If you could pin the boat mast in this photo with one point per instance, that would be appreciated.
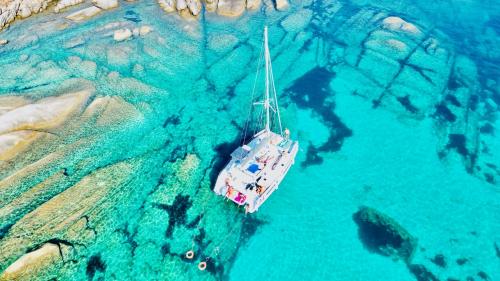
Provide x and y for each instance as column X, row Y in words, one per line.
column 266, row 100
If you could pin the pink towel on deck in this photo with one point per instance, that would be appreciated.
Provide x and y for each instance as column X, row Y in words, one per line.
column 240, row 198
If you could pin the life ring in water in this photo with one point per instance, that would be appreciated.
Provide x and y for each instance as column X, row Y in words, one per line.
column 202, row 265
column 190, row 254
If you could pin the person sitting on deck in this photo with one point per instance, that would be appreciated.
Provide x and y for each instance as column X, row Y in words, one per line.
column 259, row 189
column 229, row 188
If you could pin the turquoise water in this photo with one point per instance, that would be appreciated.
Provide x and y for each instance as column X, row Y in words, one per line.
column 398, row 117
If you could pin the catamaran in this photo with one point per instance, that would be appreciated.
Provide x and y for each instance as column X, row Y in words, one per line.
column 257, row 168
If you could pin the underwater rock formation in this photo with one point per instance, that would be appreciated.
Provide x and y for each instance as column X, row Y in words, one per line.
column 401, row 50
column 23, row 123
column 122, row 34
column 381, row 234
column 35, row 263
column 384, row 52
column 84, row 14
column 231, row 8
column 105, row 4
column 62, row 4
column 421, row 273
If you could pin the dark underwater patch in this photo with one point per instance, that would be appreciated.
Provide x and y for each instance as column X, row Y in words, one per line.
column 179, row 152
column 458, row 142
column 473, row 102
column 405, row 101
column 421, row 273
column 487, row 129
column 453, row 100
column 462, row 261
column 95, row 264
column 132, row 16
column 129, row 237
column 65, row 172
column 444, row 113
column 483, row 275
column 249, row 227
column 199, row 240
column 312, row 156
column 454, row 83
column 194, row 222
column 173, row 119
column 497, row 249
column 165, row 249
column 439, row 260
column 311, row 91
column 177, row 212
column 489, row 178
column 216, row 269
column 382, row 235
column 4, row 229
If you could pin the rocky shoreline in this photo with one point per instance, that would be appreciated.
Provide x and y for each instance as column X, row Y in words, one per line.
column 11, row 10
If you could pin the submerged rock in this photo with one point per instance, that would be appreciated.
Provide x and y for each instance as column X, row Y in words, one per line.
column 34, row 263
column 84, row 14
column 8, row 103
column 144, row 30
column 231, row 8
column 105, row 4
column 296, row 22
column 22, row 121
column 45, row 114
column 421, row 273
column 222, row 42
column 13, row 143
column 383, row 235
column 66, row 3
column 122, row 34
column 439, row 260
column 281, row 4
column 194, row 6
column 112, row 111
column 211, row 5
column 74, row 42
column 67, row 214
column 398, row 24
column 408, row 68
column 167, row 5
column 253, row 4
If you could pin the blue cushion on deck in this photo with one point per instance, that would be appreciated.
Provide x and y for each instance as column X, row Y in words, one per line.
column 253, row 168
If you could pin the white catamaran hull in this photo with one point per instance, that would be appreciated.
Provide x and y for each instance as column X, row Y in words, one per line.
column 250, row 180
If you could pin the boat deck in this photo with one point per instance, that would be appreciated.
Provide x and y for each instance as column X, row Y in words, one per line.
column 256, row 169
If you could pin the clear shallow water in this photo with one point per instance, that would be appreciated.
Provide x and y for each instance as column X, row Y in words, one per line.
column 376, row 120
